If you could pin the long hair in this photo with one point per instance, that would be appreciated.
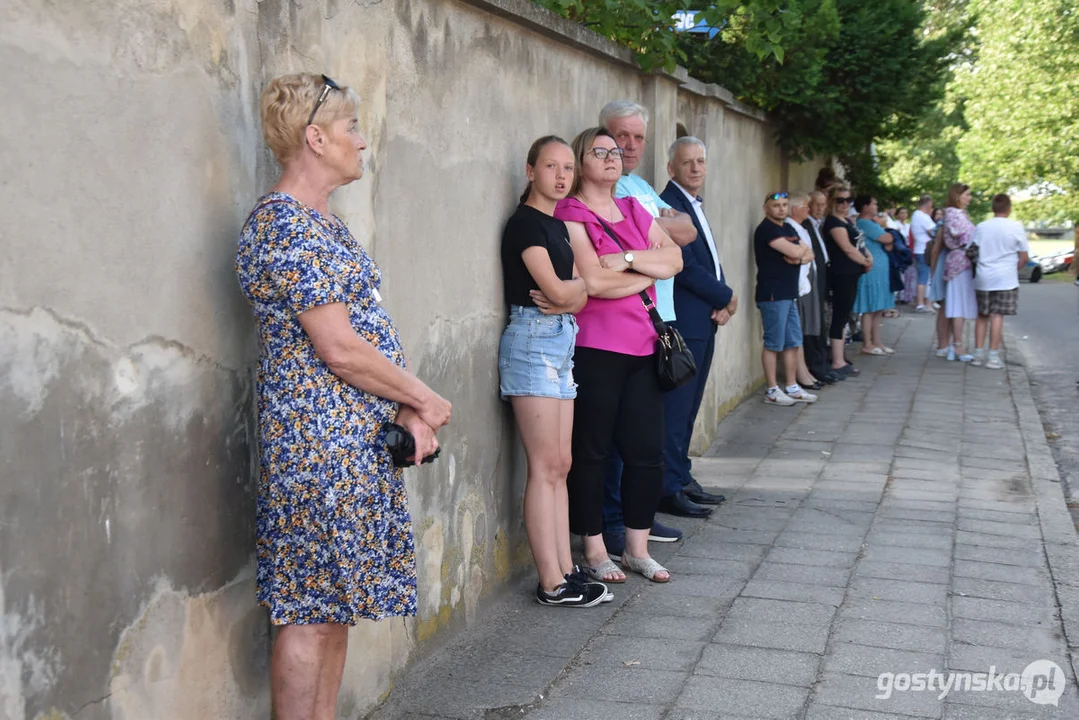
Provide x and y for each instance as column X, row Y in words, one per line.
column 581, row 145
column 955, row 192
column 533, row 158
column 836, row 189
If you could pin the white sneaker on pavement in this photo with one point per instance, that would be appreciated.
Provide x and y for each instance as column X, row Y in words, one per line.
column 796, row 393
column 994, row 362
column 979, row 358
column 943, row 352
column 775, row 396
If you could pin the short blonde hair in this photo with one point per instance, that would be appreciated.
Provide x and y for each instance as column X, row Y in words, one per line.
column 799, row 198
column 287, row 102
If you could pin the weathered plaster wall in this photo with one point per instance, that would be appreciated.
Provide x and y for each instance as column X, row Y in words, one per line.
column 132, row 151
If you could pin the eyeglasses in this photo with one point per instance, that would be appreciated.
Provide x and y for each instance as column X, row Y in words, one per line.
column 777, row 196
column 842, row 200
column 604, row 153
column 327, row 85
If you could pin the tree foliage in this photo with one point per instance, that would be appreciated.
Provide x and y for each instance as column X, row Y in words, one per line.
column 765, row 27
column 1022, row 102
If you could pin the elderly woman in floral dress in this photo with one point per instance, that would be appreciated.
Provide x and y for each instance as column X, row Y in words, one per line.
column 961, row 303
column 334, row 536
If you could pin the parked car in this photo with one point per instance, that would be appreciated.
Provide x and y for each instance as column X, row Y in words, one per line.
column 1032, row 271
column 1056, row 262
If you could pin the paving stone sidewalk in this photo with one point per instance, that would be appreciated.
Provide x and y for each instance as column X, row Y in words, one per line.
column 911, row 520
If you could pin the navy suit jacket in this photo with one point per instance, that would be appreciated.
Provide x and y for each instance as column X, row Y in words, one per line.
column 697, row 289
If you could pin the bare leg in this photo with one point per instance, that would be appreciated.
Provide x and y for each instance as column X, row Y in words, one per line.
column 943, row 327
column 805, row 377
column 561, row 494
column 790, row 365
column 878, row 320
column 595, row 552
column 996, row 331
column 981, row 325
column 302, row 670
column 867, row 331
column 838, row 360
column 538, row 421
column 920, row 293
column 329, row 680
column 637, row 546
column 768, row 360
column 957, row 334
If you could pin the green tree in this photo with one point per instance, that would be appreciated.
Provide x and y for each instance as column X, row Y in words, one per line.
column 1022, row 104
column 765, row 27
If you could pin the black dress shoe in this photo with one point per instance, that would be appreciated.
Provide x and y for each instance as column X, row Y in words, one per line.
column 699, row 495
column 679, row 504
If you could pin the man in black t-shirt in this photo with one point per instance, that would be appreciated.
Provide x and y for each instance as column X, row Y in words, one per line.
column 779, row 254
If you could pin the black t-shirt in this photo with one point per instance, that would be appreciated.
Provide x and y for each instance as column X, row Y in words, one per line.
column 838, row 261
column 529, row 227
column 777, row 279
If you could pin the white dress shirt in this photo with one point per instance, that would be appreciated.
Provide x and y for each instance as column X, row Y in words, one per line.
column 804, row 286
column 696, row 204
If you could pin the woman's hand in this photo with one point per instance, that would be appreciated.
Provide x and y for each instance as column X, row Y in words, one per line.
column 435, row 411
column 868, row 265
column 426, row 442
column 614, row 261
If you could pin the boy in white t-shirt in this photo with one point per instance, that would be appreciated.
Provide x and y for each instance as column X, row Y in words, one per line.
column 1002, row 250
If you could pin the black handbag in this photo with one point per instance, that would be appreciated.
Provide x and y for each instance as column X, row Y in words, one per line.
column 675, row 365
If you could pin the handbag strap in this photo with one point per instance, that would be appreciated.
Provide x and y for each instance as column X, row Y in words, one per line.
column 653, row 313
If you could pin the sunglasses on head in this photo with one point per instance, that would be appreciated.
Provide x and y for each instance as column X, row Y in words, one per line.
column 327, row 85
column 777, row 196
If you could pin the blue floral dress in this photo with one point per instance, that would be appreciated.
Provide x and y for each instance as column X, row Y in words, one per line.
column 334, row 536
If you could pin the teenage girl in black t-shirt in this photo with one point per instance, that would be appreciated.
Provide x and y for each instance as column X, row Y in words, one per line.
column 535, row 366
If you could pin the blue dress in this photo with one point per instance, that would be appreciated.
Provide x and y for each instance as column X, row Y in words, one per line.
column 334, row 536
column 874, row 288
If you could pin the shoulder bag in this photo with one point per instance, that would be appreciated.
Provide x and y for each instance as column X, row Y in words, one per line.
column 675, row 365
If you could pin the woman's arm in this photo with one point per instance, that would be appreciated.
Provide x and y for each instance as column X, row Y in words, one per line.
column 357, row 362
column 559, row 292
column 663, row 261
column 934, row 252
column 842, row 240
column 549, row 308
column 600, row 281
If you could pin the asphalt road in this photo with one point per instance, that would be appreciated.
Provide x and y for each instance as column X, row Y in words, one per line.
column 1046, row 333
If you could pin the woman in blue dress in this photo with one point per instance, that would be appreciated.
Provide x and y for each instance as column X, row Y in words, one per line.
column 334, row 538
column 874, row 290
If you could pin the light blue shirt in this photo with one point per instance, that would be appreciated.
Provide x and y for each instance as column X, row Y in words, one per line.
column 634, row 186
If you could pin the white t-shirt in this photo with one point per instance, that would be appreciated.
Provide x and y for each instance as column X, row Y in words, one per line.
column 999, row 241
column 923, row 229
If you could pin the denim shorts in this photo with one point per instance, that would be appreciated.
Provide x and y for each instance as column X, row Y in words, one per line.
column 782, row 326
column 535, row 356
column 922, row 266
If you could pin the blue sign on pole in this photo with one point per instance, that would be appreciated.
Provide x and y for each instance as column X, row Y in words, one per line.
column 686, row 21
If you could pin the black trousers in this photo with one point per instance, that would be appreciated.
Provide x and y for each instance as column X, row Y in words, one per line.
column 844, row 289
column 618, row 404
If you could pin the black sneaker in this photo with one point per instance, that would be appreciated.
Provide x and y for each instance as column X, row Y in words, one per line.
column 572, row 594
column 580, row 576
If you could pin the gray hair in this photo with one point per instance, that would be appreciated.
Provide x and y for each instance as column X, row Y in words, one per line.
column 621, row 109
column 799, row 199
column 685, row 140
column 925, row 200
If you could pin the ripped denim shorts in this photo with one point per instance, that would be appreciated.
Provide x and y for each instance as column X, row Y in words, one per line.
column 535, row 355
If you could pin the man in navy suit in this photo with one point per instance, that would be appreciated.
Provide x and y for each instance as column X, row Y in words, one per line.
column 702, row 302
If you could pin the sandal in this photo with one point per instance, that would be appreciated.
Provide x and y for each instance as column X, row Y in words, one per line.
column 891, row 313
column 646, row 567
column 887, row 350
column 600, row 572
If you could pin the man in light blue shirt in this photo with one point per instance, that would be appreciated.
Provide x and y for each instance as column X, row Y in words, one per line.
column 628, row 123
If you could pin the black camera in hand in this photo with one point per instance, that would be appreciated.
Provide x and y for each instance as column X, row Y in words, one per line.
column 402, row 446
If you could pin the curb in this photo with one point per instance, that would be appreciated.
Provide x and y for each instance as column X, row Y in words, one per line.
column 1061, row 542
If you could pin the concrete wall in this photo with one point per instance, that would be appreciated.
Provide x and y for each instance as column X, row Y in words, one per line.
column 130, row 140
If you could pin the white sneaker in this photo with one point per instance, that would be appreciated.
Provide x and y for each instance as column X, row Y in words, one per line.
column 775, row 396
column 801, row 395
column 943, row 352
column 978, row 359
column 994, row 362
column 923, row 309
